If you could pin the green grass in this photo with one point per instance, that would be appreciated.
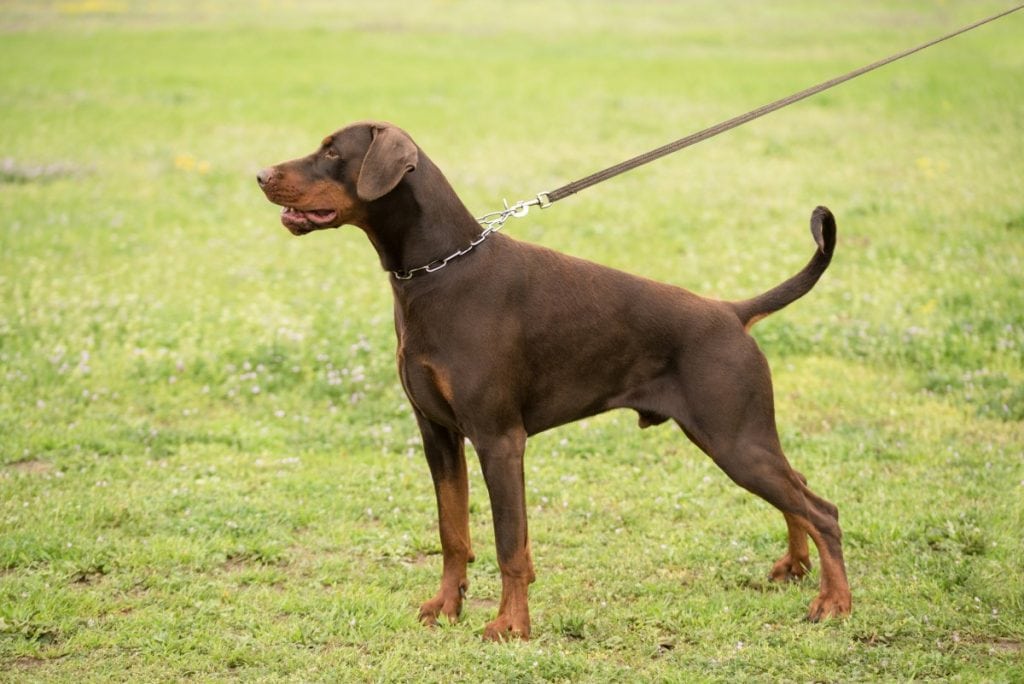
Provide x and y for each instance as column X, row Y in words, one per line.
column 207, row 467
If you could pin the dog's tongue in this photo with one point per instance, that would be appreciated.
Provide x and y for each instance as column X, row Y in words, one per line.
column 314, row 215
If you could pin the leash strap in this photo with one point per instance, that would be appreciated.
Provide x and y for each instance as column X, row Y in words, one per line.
column 494, row 221
column 546, row 199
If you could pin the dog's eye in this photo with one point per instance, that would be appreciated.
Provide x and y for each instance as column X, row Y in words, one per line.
column 331, row 153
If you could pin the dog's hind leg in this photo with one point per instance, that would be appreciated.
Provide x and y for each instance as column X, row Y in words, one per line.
column 764, row 471
column 447, row 460
column 731, row 417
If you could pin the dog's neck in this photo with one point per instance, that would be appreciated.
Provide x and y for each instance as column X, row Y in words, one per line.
column 420, row 221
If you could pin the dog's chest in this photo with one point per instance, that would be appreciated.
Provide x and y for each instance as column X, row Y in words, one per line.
column 427, row 383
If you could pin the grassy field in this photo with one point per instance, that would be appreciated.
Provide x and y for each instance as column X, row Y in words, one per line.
column 207, row 466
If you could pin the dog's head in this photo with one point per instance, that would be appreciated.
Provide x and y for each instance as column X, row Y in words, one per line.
column 334, row 185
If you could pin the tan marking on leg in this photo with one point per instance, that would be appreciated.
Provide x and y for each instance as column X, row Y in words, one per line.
column 796, row 562
column 833, row 598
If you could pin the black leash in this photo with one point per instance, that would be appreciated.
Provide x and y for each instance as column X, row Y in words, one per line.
column 546, row 199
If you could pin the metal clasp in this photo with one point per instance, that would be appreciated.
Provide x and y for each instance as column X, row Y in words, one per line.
column 522, row 208
column 519, row 210
column 492, row 223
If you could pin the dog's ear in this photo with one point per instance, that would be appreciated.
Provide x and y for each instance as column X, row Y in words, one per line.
column 392, row 154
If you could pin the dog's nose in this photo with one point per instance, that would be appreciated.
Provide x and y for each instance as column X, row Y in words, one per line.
column 264, row 176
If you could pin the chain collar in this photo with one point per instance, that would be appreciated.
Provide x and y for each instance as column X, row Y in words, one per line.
column 491, row 222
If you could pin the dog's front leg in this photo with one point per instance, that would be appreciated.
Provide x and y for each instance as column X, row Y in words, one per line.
column 501, row 459
column 447, row 459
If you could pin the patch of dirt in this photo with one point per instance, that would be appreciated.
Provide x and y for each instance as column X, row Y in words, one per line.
column 999, row 645
column 236, row 563
column 423, row 559
column 31, row 466
column 28, row 663
column 88, row 576
column 12, row 171
column 485, row 604
column 995, row 645
column 873, row 639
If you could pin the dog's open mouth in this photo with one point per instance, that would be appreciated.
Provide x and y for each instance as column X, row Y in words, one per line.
column 300, row 222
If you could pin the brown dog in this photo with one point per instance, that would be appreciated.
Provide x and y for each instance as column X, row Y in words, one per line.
column 510, row 339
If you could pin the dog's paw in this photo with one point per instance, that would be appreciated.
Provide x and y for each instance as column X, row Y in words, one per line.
column 789, row 569
column 826, row 606
column 505, row 628
column 442, row 604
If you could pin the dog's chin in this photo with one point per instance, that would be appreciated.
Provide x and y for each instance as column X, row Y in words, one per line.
column 304, row 222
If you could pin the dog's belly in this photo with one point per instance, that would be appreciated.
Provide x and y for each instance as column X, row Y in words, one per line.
column 585, row 381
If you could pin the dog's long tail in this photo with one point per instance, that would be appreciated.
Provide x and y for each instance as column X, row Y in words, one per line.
column 823, row 228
